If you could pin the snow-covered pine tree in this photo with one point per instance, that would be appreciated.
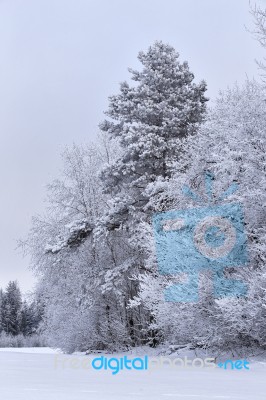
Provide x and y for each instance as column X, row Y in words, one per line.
column 11, row 309
column 150, row 119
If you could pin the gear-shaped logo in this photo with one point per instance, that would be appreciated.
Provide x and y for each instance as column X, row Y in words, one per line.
column 210, row 237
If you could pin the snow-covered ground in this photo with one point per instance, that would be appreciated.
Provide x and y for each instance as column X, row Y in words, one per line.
column 27, row 374
column 30, row 350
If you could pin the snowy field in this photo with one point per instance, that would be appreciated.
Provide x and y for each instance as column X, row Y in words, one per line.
column 27, row 374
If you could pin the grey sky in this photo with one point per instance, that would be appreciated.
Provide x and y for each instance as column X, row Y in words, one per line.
column 59, row 61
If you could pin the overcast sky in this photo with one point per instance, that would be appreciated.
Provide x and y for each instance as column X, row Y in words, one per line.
column 59, row 61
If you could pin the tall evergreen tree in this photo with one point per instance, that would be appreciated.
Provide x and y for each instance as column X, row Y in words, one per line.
column 11, row 309
column 150, row 119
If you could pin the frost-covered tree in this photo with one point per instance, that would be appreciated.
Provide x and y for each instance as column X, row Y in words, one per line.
column 231, row 144
column 150, row 118
column 11, row 309
column 72, row 262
